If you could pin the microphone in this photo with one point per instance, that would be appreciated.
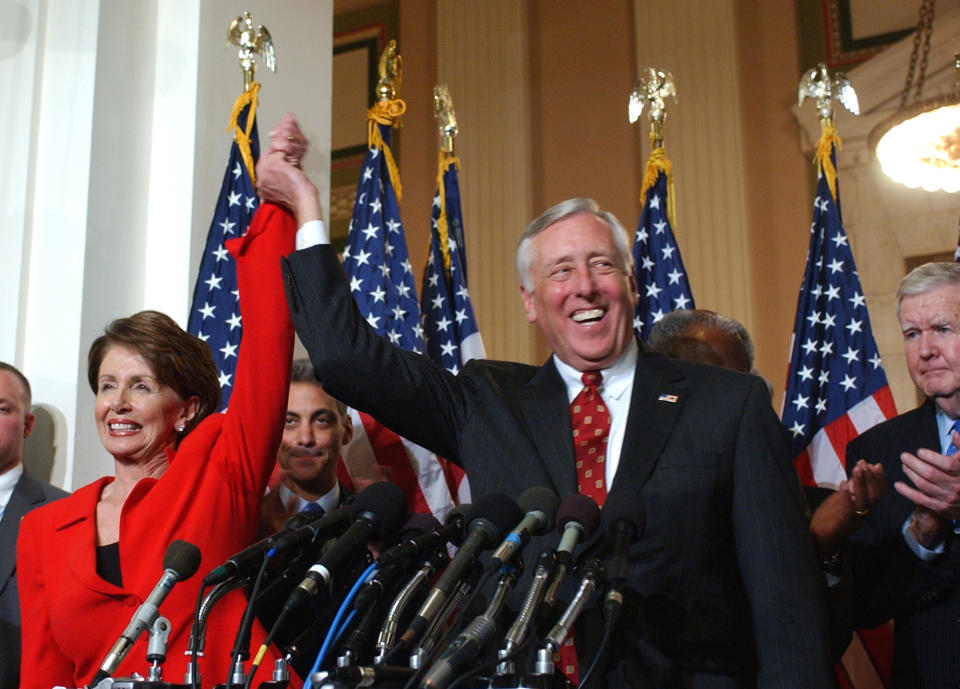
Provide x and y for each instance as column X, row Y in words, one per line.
column 540, row 505
column 474, row 638
column 376, row 512
column 180, row 562
column 299, row 529
column 491, row 516
column 387, row 574
column 452, row 531
column 577, row 519
column 624, row 521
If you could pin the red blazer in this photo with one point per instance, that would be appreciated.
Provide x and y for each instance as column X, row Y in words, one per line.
column 210, row 496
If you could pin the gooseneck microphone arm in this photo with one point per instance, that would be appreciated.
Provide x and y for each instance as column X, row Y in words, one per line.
column 517, row 633
column 472, row 640
column 591, row 580
column 179, row 562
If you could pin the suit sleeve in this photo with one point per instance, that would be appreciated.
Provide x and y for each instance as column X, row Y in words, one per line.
column 403, row 390
column 38, row 647
column 775, row 555
column 889, row 579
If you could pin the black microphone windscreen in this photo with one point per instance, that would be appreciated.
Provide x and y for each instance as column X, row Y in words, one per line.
column 420, row 523
column 302, row 519
column 623, row 506
column 496, row 514
column 183, row 558
column 540, row 499
column 581, row 509
column 387, row 502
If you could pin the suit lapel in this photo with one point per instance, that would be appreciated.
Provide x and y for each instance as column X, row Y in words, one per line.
column 927, row 430
column 26, row 494
column 76, row 535
column 659, row 393
column 543, row 404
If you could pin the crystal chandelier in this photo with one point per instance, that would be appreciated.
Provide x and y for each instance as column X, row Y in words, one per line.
column 919, row 145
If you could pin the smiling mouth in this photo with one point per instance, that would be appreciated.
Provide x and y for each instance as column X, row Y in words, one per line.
column 588, row 315
column 123, row 427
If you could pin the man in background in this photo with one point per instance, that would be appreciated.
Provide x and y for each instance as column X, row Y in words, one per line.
column 19, row 493
column 315, row 429
column 906, row 556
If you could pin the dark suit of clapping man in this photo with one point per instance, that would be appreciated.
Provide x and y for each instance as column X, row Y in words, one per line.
column 906, row 556
column 723, row 582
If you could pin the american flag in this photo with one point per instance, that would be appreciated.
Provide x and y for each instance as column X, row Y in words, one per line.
column 661, row 277
column 836, row 387
column 452, row 334
column 215, row 311
column 381, row 279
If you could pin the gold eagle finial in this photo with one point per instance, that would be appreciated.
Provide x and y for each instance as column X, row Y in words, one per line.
column 251, row 42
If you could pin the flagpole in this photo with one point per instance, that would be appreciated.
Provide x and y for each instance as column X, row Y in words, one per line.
column 215, row 309
column 658, row 267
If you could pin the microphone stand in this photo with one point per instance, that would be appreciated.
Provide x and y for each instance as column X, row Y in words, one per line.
column 159, row 633
column 544, row 671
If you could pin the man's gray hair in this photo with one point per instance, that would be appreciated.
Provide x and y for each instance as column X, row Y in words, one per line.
column 924, row 278
column 676, row 324
column 556, row 213
column 301, row 371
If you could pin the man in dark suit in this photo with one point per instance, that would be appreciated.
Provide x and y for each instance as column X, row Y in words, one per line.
column 315, row 428
column 906, row 556
column 19, row 493
column 723, row 582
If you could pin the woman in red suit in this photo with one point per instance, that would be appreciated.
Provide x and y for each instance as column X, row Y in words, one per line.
column 181, row 472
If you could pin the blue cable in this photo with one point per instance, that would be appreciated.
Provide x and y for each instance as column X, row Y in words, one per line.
column 333, row 634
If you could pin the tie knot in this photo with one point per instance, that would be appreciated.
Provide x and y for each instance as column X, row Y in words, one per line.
column 312, row 507
column 592, row 378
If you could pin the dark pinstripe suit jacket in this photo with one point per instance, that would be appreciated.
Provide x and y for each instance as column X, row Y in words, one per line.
column 890, row 581
column 27, row 494
column 724, row 576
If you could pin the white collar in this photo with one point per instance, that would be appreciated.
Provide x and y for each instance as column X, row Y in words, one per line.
column 617, row 379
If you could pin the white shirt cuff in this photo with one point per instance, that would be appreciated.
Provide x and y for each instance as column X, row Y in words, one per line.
column 924, row 554
column 311, row 233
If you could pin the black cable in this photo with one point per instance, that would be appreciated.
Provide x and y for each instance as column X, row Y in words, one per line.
column 237, row 650
column 604, row 643
column 195, row 640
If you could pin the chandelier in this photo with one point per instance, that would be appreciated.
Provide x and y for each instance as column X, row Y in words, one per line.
column 919, row 145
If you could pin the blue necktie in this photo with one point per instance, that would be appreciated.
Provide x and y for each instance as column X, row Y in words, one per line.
column 951, row 448
column 312, row 507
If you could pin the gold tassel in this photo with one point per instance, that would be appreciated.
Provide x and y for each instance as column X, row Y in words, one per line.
column 828, row 140
column 657, row 163
column 386, row 112
column 239, row 135
column 443, row 162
